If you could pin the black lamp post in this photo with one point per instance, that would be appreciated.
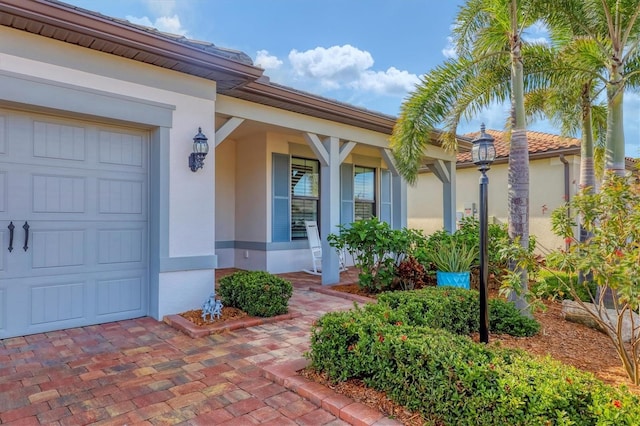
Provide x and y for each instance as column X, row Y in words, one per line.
column 483, row 153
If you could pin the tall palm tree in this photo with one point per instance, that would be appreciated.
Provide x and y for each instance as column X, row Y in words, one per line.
column 489, row 68
column 606, row 46
column 572, row 107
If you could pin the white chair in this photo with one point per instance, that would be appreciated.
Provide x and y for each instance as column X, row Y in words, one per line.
column 315, row 245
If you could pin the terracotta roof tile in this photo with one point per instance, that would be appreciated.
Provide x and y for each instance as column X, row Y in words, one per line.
column 538, row 142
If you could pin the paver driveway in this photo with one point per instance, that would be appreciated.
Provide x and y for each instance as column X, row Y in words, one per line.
column 144, row 372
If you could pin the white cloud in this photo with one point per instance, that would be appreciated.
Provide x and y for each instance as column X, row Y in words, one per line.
column 392, row 82
column 536, row 40
column 166, row 19
column 161, row 7
column 267, row 61
column 538, row 33
column 168, row 24
column 339, row 67
column 333, row 67
column 449, row 50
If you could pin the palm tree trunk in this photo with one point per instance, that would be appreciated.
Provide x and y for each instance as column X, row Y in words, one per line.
column 518, row 180
column 615, row 129
column 587, row 170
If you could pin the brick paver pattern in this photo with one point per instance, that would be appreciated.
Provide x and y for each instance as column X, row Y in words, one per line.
column 143, row 371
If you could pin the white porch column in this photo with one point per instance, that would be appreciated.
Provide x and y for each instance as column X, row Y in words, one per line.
column 330, row 209
column 398, row 192
column 446, row 172
column 329, row 155
column 399, row 201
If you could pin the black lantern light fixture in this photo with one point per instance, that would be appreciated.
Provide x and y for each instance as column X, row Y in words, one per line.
column 483, row 153
column 200, row 150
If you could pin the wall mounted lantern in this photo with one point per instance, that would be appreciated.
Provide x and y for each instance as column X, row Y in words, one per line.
column 200, row 150
column 483, row 152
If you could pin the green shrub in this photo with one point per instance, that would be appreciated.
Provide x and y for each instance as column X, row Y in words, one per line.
column 468, row 234
column 258, row 293
column 450, row 379
column 505, row 318
column 553, row 284
column 454, row 309
column 376, row 250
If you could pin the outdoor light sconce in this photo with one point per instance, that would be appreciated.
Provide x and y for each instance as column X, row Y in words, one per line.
column 200, row 150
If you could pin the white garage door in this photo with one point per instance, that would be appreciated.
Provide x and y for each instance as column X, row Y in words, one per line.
column 76, row 195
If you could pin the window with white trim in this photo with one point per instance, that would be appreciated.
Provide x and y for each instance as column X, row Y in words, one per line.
column 364, row 189
column 305, row 194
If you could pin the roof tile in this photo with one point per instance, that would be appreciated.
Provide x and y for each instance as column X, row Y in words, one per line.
column 538, row 142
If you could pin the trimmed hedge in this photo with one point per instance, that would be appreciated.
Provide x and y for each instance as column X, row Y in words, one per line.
column 456, row 310
column 450, row 379
column 258, row 293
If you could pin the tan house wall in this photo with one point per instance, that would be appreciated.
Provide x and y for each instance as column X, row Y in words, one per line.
column 546, row 193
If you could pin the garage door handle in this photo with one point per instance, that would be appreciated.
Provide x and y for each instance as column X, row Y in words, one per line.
column 11, row 228
column 26, row 235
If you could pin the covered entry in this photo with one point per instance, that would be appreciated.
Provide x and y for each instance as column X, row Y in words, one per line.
column 73, row 223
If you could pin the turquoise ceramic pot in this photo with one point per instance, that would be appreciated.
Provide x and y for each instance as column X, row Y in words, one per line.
column 453, row 279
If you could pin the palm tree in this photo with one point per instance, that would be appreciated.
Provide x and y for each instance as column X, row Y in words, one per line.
column 572, row 107
column 489, row 68
column 606, row 46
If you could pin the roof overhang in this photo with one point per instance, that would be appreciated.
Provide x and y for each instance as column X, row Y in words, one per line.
column 60, row 21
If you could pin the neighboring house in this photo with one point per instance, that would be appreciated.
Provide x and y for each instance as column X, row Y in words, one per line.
column 554, row 177
column 554, row 174
column 106, row 220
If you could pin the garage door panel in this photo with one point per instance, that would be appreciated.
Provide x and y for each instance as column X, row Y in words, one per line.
column 58, row 194
column 55, row 303
column 120, row 196
column 120, row 245
column 121, row 149
column 120, row 295
column 58, row 141
column 58, row 248
column 82, row 187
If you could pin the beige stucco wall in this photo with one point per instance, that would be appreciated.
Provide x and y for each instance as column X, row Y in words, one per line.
column 546, row 192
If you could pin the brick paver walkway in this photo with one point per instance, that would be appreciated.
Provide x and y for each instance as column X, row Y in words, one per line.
column 144, row 372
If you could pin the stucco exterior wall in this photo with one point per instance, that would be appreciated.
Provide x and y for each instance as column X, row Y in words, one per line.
column 546, row 192
column 188, row 231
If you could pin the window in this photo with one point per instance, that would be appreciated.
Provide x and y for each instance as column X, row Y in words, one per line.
column 364, row 189
column 305, row 193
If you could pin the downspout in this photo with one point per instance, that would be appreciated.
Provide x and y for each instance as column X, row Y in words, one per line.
column 567, row 192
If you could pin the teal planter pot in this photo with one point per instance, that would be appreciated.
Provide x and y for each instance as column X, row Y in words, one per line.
column 453, row 279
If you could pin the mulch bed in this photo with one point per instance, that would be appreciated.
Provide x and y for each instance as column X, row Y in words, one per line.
column 227, row 314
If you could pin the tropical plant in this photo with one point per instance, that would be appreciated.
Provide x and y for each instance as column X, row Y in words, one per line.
column 610, row 257
column 376, row 250
column 411, row 274
column 453, row 255
column 599, row 39
column 488, row 69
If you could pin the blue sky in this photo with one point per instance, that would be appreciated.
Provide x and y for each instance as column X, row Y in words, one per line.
column 369, row 53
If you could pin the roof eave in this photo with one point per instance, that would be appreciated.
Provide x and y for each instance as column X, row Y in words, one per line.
column 34, row 15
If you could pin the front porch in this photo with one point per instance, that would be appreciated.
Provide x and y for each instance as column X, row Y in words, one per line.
column 276, row 168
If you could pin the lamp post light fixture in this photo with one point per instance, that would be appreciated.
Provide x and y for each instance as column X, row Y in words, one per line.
column 200, row 150
column 483, row 153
